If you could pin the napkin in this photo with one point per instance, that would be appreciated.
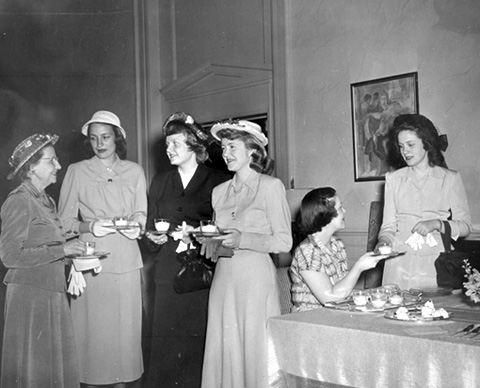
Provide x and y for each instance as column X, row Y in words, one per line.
column 87, row 264
column 76, row 282
column 416, row 241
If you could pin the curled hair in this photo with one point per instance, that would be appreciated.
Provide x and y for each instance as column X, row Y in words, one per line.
column 120, row 143
column 198, row 146
column 426, row 131
column 22, row 173
column 317, row 210
column 260, row 161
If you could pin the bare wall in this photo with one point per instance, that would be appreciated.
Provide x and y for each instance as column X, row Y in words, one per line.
column 61, row 61
column 333, row 43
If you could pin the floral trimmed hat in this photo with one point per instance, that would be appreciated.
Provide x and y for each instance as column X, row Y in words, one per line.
column 241, row 125
column 27, row 148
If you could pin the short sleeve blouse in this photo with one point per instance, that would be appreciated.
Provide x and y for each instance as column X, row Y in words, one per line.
column 313, row 255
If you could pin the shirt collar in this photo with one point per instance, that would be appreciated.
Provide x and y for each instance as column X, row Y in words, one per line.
column 99, row 166
column 251, row 183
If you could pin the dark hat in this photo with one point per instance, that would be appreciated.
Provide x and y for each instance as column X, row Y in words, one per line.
column 190, row 123
column 416, row 120
column 27, row 148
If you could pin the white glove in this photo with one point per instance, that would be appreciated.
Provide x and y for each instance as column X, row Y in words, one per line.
column 76, row 282
column 431, row 240
column 415, row 241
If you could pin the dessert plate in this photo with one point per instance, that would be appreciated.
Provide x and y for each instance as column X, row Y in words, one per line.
column 415, row 317
column 96, row 255
column 207, row 234
column 391, row 255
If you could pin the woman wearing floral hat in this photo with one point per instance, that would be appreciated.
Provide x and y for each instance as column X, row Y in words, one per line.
column 107, row 316
column 252, row 210
column 182, row 194
column 38, row 339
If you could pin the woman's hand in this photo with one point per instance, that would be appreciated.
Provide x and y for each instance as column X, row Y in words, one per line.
column 74, row 247
column 231, row 238
column 368, row 261
column 426, row 227
column 133, row 232
column 102, row 227
column 187, row 229
column 158, row 239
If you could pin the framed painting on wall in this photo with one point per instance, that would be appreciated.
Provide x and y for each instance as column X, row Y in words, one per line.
column 375, row 104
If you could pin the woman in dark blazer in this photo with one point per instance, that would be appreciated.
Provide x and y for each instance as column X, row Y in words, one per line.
column 38, row 339
column 179, row 195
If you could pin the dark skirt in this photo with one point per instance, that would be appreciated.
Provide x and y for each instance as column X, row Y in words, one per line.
column 178, row 329
column 38, row 340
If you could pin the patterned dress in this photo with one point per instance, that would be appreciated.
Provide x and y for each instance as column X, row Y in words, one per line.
column 313, row 255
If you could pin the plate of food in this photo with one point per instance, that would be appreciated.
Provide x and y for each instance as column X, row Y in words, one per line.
column 125, row 227
column 96, row 255
column 419, row 313
column 206, row 234
column 391, row 255
column 156, row 232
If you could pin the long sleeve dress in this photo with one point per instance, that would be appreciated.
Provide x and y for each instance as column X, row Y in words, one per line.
column 38, row 340
column 244, row 291
column 107, row 316
column 179, row 322
column 407, row 202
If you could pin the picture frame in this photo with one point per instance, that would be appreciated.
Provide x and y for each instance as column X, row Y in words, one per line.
column 375, row 104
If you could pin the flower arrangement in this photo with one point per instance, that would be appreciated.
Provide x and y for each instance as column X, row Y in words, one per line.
column 472, row 285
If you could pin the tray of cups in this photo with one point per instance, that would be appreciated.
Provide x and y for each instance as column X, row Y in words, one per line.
column 375, row 300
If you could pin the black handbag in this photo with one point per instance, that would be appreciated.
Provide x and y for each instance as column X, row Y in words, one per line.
column 195, row 274
column 450, row 264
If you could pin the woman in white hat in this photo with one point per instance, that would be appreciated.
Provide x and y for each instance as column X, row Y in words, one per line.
column 252, row 210
column 38, row 339
column 107, row 315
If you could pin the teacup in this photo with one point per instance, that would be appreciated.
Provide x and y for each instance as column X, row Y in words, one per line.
column 208, row 226
column 360, row 298
column 378, row 297
column 89, row 248
column 120, row 221
column 384, row 249
column 396, row 298
column 161, row 225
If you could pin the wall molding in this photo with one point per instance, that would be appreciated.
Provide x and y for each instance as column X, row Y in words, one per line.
column 214, row 78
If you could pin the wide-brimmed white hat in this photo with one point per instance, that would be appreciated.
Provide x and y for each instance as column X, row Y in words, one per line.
column 241, row 125
column 105, row 117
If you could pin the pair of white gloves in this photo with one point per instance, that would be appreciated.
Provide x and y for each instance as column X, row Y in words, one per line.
column 76, row 281
column 416, row 241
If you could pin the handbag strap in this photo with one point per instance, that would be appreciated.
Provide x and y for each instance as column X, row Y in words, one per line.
column 447, row 236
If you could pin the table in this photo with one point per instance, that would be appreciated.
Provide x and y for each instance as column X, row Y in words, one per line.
column 332, row 348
